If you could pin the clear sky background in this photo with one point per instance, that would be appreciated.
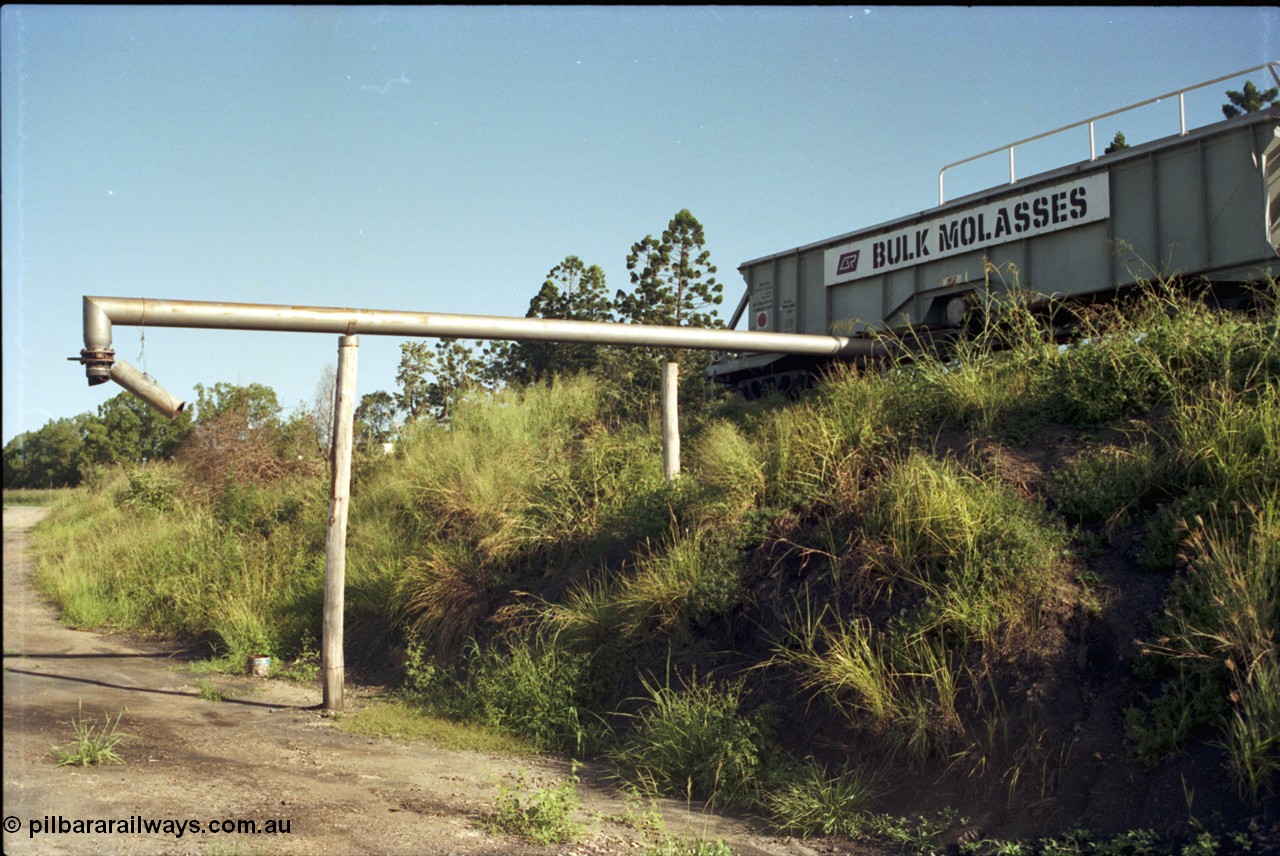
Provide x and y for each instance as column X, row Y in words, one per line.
column 445, row 159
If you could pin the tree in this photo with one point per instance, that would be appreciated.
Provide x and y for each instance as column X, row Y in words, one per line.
column 571, row 291
column 672, row 279
column 239, row 436
column 320, row 413
column 673, row 285
column 49, row 457
column 375, row 419
column 1117, row 143
column 431, row 384
column 126, row 430
column 1249, row 100
column 413, row 377
column 252, row 407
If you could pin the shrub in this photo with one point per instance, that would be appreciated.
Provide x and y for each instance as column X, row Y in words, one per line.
column 695, row 742
column 150, row 488
column 682, row 584
column 533, row 691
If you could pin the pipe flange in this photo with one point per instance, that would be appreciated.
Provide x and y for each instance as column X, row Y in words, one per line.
column 97, row 364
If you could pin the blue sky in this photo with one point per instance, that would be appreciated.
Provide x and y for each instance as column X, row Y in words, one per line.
column 445, row 159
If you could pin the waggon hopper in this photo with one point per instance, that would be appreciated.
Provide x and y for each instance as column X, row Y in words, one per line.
column 1201, row 205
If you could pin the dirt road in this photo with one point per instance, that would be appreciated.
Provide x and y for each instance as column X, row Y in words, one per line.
column 263, row 754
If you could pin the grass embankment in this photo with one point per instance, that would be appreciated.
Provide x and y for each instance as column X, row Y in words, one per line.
column 861, row 575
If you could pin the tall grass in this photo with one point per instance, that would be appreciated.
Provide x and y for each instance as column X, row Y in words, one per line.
column 1225, row 617
column 1220, row 473
column 808, row 800
column 524, row 486
column 900, row 687
column 837, row 659
column 982, row 557
column 694, row 740
column 533, row 690
column 179, row 571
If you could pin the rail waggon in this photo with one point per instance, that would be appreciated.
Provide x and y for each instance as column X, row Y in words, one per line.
column 1201, row 205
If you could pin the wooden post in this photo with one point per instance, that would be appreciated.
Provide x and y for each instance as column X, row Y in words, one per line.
column 335, row 554
column 671, row 420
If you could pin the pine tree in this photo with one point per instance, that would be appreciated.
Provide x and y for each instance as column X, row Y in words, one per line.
column 1117, row 143
column 1249, row 100
column 673, row 284
column 673, row 279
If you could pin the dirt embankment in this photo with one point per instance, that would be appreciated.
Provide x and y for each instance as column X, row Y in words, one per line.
column 263, row 754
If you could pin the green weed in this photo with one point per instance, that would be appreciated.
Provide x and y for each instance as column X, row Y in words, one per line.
column 93, row 743
column 682, row 584
column 646, row 817
column 149, row 487
column 208, row 691
column 543, row 815
column 304, row 667
column 1109, row 483
column 684, row 845
column 916, row 834
column 983, row 556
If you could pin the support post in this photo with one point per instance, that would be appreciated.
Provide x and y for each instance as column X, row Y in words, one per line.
column 335, row 554
column 671, row 420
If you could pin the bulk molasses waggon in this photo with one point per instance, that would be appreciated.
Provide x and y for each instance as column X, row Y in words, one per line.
column 1202, row 204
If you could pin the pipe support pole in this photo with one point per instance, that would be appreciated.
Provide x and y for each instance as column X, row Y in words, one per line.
column 671, row 420
column 335, row 559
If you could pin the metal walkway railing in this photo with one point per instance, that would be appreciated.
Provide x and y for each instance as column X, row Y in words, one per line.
column 1182, row 114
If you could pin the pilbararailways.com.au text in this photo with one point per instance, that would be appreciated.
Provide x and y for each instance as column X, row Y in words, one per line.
column 56, row 824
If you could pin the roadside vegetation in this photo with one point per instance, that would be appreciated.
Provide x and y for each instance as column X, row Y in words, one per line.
column 908, row 582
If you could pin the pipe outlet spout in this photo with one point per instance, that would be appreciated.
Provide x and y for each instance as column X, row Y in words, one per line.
column 147, row 389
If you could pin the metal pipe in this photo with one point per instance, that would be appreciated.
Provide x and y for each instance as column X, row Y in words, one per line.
column 146, row 389
column 101, row 312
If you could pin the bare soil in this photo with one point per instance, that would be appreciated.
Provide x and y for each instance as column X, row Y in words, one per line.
column 264, row 753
